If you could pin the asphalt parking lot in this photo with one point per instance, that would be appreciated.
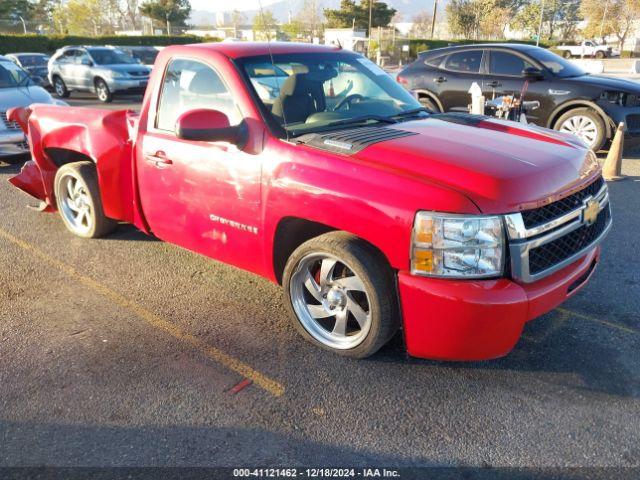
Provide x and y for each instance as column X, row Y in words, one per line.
column 127, row 351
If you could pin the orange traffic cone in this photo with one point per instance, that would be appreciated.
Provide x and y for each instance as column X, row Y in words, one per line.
column 612, row 169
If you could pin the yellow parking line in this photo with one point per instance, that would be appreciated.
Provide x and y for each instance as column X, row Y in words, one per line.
column 597, row 320
column 273, row 387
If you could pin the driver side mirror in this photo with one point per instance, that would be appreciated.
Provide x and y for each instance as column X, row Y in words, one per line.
column 87, row 62
column 206, row 125
column 532, row 73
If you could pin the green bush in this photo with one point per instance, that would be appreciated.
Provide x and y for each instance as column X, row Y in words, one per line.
column 50, row 43
column 420, row 45
column 627, row 54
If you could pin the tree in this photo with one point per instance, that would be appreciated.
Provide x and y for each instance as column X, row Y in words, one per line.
column 351, row 13
column 306, row 24
column 169, row 11
column 263, row 24
column 421, row 27
column 82, row 17
column 463, row 17
column 612, row 17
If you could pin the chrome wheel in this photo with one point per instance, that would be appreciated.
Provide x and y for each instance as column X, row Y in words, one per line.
column 581, row 126
column 60, row 88
column 330, row 301
column 76, row 205
column 102, row 92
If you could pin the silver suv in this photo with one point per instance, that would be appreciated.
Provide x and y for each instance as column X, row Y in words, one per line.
column 103, row 70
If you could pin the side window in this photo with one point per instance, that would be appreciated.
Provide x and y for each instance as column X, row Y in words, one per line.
column 434, row 61
column 468, row 61
column 187, row 85
column 67, row 56
column 82, row 56
column 503, row 63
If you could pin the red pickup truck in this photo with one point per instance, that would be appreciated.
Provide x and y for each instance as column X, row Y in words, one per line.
column 310, row 166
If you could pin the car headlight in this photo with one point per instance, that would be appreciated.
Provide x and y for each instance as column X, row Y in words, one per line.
column 114, row 74
column 449, row 245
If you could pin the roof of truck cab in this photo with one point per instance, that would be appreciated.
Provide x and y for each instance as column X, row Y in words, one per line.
column 252, row 49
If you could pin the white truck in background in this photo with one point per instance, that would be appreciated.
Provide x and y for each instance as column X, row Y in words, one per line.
column 587, row 48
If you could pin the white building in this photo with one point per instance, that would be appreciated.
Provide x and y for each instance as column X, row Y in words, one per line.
column 347, row 38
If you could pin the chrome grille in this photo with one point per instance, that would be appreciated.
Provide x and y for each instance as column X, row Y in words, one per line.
column 539, row 216
column 554, row 252
column 539, row 248
column 8, row 124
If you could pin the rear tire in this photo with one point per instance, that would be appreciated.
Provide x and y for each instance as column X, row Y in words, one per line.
column 341, row 294
column 103, row 92
column 566, row 54
column 78, row 200
column 429, row 104
column 60, row 88
column 586, row 124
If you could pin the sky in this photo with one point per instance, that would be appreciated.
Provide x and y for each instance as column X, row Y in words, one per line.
column 217, row 5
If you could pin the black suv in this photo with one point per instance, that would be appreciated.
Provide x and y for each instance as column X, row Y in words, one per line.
column 571, row 100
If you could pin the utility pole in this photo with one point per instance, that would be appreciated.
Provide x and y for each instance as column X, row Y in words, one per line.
column 24, row 25
column 604, row 14
column 540, row 24
column 168, row 24
column 370, row 15
column 433, row 20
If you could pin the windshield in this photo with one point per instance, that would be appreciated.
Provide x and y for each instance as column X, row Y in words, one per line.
column 11, row 75
column 312, row 91
column 146, row 56
column 109, row 56
column 558, row 65
column 33, row 60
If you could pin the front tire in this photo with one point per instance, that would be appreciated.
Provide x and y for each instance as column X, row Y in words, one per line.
column 60, row 88
column 102, row 91
column 566, row 54
column 78, row 200
column 342, row 295
column 600, row 54
column 586, row 124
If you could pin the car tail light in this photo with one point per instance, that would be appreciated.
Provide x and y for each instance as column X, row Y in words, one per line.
column 401, row 80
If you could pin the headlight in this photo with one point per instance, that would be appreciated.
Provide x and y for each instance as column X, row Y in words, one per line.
column 114, row 74
column 448, row 245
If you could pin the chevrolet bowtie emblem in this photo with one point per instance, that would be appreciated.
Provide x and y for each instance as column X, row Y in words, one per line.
column 591, row 210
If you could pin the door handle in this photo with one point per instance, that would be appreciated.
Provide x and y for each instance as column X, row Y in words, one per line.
column 440, row 79
column 494, row 84
column 158, row 159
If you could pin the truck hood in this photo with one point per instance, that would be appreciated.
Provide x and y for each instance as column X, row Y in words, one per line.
column 501, row 166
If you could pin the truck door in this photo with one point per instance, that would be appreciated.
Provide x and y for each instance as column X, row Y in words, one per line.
column 461, row 69
column 504, row 77
column 204, row 196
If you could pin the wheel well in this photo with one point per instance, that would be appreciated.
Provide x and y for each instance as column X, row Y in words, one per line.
column 290, row 234
column 62, row 156
column 430, row 96
column 573, row 106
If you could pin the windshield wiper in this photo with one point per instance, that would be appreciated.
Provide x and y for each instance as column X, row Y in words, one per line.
column 410, row 113
column 361, row 119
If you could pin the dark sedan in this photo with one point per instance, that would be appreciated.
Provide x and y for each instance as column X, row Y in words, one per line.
column 35, row 64
column 571, row 100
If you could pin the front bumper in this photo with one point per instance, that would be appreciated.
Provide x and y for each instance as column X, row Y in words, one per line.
column 630, row 116
column 480, row 320
column 12, row 142
column 128, row 85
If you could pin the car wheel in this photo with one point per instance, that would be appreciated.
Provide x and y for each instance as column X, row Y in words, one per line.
column 78, row 200
column 600, row 54
column 566, row 54
column 586, row 124
column 60, row 88
column 342, row 294
column 103, row 92
column 429, row 104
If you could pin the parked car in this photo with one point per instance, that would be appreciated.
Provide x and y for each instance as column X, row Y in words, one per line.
column 372, row 213
column 104, row 70
column 17, row 89
column 587, row 48
column 589, row 106
column 144, row 55
column 33, row 63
